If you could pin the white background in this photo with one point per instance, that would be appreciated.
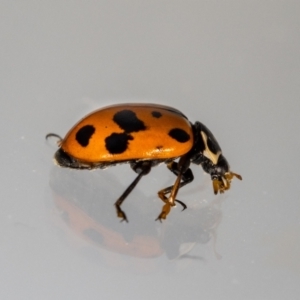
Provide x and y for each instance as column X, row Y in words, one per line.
column 233, row 65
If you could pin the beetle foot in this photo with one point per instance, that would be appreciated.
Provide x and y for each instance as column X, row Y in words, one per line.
column 165, row 211
column 121, row 214
column 182, row 204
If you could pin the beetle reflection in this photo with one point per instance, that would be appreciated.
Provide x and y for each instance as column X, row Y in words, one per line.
column 84, row 202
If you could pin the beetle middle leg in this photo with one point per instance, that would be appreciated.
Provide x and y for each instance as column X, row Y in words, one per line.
column 184, row 176
column 141, row 168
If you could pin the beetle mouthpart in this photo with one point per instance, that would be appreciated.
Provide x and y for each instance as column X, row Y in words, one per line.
column 223, row 183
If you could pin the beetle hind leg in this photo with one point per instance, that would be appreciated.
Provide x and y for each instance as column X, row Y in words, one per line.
column 142, row 168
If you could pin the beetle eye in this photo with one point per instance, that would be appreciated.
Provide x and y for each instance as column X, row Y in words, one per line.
column 223, row 166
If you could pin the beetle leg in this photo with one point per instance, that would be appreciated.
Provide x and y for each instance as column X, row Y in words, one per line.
column 184, row 176
column 142, row 168
column 59, row 141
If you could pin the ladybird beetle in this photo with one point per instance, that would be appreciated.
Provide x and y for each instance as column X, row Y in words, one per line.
column 145, row 135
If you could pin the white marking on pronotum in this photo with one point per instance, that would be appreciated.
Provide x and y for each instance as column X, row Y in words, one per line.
column 207, row 152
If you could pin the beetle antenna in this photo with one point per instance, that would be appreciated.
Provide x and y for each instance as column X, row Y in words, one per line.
column 56, row 136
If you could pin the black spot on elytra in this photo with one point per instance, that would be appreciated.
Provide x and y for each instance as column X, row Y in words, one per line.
column 84, row 134
column 117, row 143
column 156, row 114
column 128, row 121
column 179, row 135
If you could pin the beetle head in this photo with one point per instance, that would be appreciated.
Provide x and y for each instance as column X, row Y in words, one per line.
column 221, row 175
column 208, row 153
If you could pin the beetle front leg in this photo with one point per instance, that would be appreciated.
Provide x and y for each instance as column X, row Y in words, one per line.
column 184, row 176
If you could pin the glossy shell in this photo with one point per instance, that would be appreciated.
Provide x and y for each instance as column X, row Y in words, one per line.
column 130, row 131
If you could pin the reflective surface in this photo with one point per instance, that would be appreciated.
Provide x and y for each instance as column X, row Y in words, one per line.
column 234, row 67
